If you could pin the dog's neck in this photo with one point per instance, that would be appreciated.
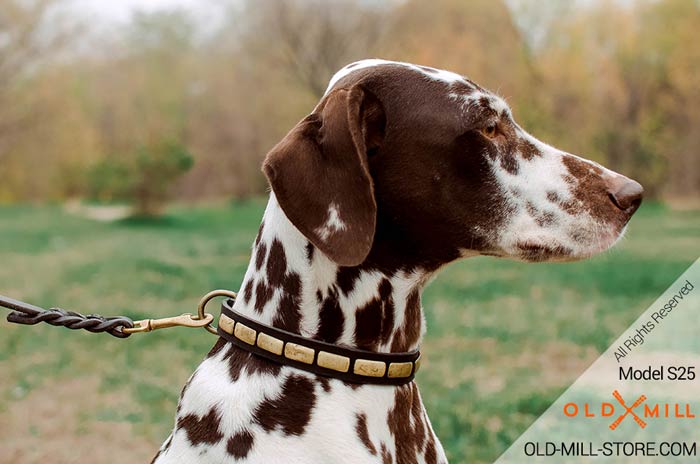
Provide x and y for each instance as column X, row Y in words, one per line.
column 291, row 285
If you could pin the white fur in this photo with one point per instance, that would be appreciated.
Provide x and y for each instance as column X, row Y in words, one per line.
column 441, row 75
column 333, row 223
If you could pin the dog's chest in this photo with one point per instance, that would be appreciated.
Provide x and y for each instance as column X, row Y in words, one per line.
column 238, row 408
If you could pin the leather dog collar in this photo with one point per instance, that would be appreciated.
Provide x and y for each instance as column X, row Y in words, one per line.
column 289, row 349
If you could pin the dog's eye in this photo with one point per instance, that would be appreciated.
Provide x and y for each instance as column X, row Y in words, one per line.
column 490, row 131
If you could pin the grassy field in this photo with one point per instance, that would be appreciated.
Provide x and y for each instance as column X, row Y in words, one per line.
column 504, row 338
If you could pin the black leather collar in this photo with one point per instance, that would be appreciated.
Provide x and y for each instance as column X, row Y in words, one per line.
column 290, row 349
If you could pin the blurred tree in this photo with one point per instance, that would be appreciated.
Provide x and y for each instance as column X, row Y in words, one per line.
column 309, row 40
column 145, row 179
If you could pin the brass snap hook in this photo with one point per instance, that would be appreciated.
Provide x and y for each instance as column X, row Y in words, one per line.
column 201, row 319
column 183, row 320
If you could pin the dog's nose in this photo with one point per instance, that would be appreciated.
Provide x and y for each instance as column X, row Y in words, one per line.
column 625, row 193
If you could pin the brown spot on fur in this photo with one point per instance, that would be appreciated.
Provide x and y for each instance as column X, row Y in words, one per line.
column 510, row 164
column 546, row 219
column 288, row 315
column 408, row 334
column 553, row 196
column 240, row 444
column 528, row 150
column 346, row 278
column 387, row 458
column 260, row 256
column 263, row 294
column 240, row 360
column 375, row 321
column 310, row 252
column 406, row 424
column 430, row 453
column 591, row 193
column 291, row 410
column 331, row 318
column 203, row 429
column 260, row 231
column 325, row 384
column 363, row 433
column 276, row 264
column 531, row 209
column 248, row 291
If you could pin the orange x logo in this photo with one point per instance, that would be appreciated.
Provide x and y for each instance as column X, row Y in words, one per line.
column 628, row 410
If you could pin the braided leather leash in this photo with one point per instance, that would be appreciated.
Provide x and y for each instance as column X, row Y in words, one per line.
column 117, row 326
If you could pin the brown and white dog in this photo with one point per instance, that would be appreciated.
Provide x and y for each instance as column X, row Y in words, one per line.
column 399, row 170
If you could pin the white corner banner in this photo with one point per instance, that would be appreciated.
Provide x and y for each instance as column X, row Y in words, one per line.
column 639, row 402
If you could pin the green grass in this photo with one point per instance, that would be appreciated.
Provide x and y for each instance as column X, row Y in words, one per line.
column 504, row 338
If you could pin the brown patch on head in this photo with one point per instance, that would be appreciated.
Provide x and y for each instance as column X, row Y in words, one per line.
column 332, row 320
column 553, row 197
column 240, row 444
column 546, row 219
column 363, row 433
column 408, row 334
column 204, row 429
column 289, row 412
column 528, row 150
column 591, row 193
column 535, row 252
column 375, row 321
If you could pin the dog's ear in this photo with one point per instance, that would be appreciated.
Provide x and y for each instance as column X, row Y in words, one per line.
column 320, row 176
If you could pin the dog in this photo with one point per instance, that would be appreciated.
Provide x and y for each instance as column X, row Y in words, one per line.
column 399, row 170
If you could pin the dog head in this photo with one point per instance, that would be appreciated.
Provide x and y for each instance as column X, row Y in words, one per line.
column 408, row 165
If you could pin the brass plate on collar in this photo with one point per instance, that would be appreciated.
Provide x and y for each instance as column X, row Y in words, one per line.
column 226, row 323
column 402, row 369
column 370, row 368
column 299, row 353
column 333, row 361
column 244, row 333
column 270, row 343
